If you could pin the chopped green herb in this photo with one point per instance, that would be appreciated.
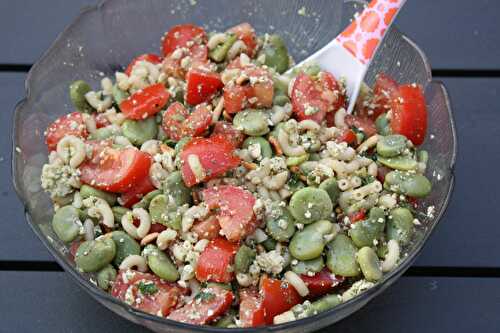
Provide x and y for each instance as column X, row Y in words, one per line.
column 204, row 296
column 147, row 288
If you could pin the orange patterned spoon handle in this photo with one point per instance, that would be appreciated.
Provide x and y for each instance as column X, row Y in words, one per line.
column 365, row 33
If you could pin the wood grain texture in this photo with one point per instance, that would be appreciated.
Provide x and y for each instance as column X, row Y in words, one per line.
column 454, row 34
column 412, row 305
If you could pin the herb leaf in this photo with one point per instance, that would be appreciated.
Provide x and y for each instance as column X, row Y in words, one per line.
column 147, row 288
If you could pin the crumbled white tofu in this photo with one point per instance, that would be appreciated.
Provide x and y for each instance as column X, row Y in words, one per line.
column 59, row 180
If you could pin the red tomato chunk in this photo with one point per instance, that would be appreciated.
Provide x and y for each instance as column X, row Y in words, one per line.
column 70, row 124
column 278, row 296
column 201, row 85
column 252, row 312
column 216, row 260
column 146, row 102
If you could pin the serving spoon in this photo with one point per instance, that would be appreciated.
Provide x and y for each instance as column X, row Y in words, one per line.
column 350, row 53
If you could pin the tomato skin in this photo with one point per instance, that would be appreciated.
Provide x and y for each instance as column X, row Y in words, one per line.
column 235, row 215
column 173, row 120
column 180, row 35
column 163, row 300
column 201, row 85
column 363, row 124
column 115, row 170
column 278, row 296
column 146, row 102
column 357, row 216
column 157, row 227
column 207, row 229
column 101, row 120
column 246, row 33
column 347, row 135
column 331, row 92
column 305, row 93
column 149, row 57
column 70, row 124
column 227, row 130
column 382, row 171
column 385, row 90
column 409, row 114
column 215, row 260
column 321, row 283
column 206, row 308
column 136, row 193
column 198, row 121
column 216, row 156
column 235, row 98
column 252, row 312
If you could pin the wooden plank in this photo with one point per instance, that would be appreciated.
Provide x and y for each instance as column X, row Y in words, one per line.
column 412, row 304
column 454, row 34
column 17, row 239
column 473, row 206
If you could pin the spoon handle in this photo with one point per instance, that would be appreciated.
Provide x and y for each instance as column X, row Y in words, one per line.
column 363, row 36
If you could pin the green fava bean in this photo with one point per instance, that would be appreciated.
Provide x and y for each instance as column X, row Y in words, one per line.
column 251, row 122
column 218, row 54
column 159, row 209
column 243, row 259
column 308, row 243
column 77, row 91
column 106, row 276
column 296, row 160
column 280, row 99
column 400, row 226
column 325, row 303
column 391, row 145
column 364, row 233
column 66, row 223
column 369, row 264
column 118, row 212
column 265, row 146
column 403, row 162
column 275, row 53
column 269, row 244
column 414, row 185
column 93, row 255
column 174, row 186
column 125, row 246
column 146, row 200
column 331, row 187
column 160, row 263
column 281, row 228
column 89, row 191
column 313, row 265
column 227, row 320
column 119, row 95
column 382, row 125
column 341, row 257
column 311, row 204
column 140, row 131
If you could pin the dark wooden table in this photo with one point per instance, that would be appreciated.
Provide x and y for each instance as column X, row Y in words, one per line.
column 455, row 283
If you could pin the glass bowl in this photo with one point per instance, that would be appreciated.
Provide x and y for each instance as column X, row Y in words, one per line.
column 105, row 37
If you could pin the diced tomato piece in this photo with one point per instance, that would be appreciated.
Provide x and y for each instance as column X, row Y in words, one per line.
column 146, row 102
column 70, row 124
column 347, row 135
column 215, row 155
column 258, row 93
column 382, row 171
column 278, row 296
column 136, row 192
column 331, row 92
column 207, row 229
column 183, row 35
column 252, row 312
column 115, row 170
column 235, row 98
column 246, row 33
column 306, row 99
column 384, row 91
column 409, row 114
column 74, row 248
column 357, row 216
column 235, row 210
column 149, row 57
column 198, row 121
column 209, row 304
column 227, row 130
column 147, row 292
column 321, row 283
column 201, row 85
column 157, row 227
column 101, row 120
column 173, row 121
column 363, row 124
column 216, row 260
